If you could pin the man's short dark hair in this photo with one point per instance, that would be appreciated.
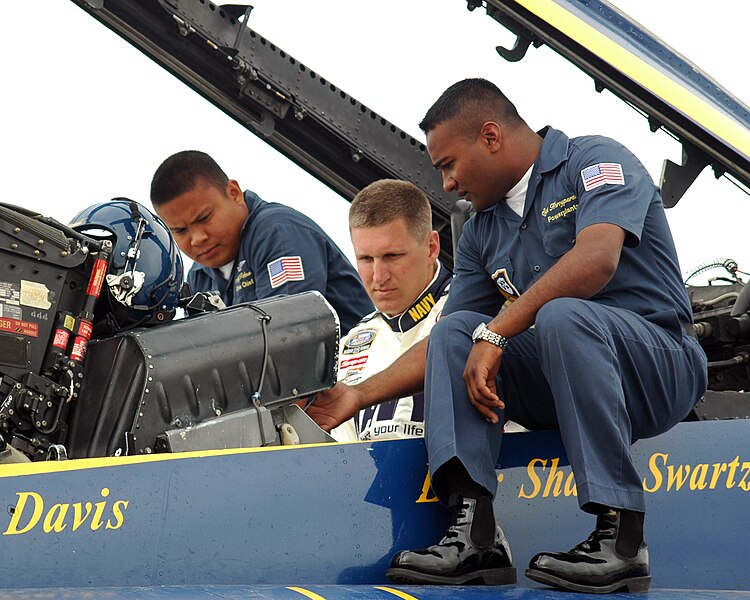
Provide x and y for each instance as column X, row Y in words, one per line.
column 180, row 173
column 474, row 102
column 386, row 200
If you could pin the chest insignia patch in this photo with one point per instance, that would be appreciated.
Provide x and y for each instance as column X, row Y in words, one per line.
column 358, row 361
column 504, row 284
column 353, row 375
column 359, row 342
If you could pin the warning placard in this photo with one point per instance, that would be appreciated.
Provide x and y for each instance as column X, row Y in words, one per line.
column 20, row 327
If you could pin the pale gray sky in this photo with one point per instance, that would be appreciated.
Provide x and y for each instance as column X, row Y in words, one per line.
column 85, row 117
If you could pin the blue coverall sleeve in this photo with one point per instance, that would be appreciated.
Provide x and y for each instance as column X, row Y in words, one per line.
column 471, row 288
column 623, row 204
column 304, row 246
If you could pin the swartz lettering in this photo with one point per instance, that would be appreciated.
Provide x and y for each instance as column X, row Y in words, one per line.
column 422, row 308
column 29, row 513
column 664, row 476
column 545, row 478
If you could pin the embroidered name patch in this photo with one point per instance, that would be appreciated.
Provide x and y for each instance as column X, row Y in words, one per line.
column 560, row 208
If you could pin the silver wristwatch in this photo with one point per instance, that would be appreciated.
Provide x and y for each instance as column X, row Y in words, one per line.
column 482, row 333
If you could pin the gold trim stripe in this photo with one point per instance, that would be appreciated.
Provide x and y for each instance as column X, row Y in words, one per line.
column 306, row 593
column 82, row 464
column 395, row 592
column 717, row 122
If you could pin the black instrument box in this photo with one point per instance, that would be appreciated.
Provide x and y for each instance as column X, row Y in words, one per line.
column 142, row 383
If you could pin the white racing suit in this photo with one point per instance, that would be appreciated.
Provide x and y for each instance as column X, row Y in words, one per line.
column 371, row 346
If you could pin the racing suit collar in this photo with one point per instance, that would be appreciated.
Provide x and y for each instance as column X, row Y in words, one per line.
column 421, row 307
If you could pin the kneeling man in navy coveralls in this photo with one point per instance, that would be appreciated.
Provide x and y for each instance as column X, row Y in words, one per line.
column 594, row 337
column 246, row 248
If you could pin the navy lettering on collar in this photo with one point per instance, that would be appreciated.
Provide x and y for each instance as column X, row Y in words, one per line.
column 422, row 305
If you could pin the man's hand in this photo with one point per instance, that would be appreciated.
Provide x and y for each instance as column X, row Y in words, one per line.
column 405, row 377
column 481, row 367
column 332, row 407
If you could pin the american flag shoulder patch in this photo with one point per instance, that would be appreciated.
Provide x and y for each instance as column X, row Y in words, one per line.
column 284, row 269
column 602, row 173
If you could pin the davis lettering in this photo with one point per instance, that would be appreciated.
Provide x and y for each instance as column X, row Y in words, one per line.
column 30, row 513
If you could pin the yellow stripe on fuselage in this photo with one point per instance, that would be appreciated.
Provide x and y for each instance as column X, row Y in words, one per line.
column 306, row 593
column 709, row 117
column 78, row 464
column 395, row 592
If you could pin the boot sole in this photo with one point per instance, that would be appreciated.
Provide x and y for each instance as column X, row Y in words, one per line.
column 504, row 576
column 631, row 584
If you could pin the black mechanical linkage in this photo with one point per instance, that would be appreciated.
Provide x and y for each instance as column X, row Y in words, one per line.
column 293, row 108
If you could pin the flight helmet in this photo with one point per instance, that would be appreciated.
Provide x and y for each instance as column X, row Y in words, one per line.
column 144, row 279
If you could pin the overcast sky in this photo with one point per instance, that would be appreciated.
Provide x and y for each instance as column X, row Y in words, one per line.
column 86, row 117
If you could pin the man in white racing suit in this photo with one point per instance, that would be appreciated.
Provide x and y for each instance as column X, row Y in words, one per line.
column 390, row 223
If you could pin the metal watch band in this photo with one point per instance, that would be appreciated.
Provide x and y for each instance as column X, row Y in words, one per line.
column 490, row 336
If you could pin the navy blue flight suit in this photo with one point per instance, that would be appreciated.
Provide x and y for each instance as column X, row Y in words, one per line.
column 274, row 231
column 606, row 371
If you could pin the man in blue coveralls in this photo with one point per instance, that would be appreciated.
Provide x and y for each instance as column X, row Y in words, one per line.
column 594, row 337
column 248, row 249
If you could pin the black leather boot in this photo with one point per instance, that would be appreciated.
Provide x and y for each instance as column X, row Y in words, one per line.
column 468, row 552
column 612, row 558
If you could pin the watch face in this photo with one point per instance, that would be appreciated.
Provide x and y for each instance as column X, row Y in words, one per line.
column 477, row 331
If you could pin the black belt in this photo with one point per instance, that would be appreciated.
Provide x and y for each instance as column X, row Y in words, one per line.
column 688, row 328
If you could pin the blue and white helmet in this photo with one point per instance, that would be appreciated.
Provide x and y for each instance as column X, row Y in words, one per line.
column 145, row 270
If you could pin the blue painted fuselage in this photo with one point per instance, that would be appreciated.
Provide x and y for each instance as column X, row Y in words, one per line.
column 334, row 513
